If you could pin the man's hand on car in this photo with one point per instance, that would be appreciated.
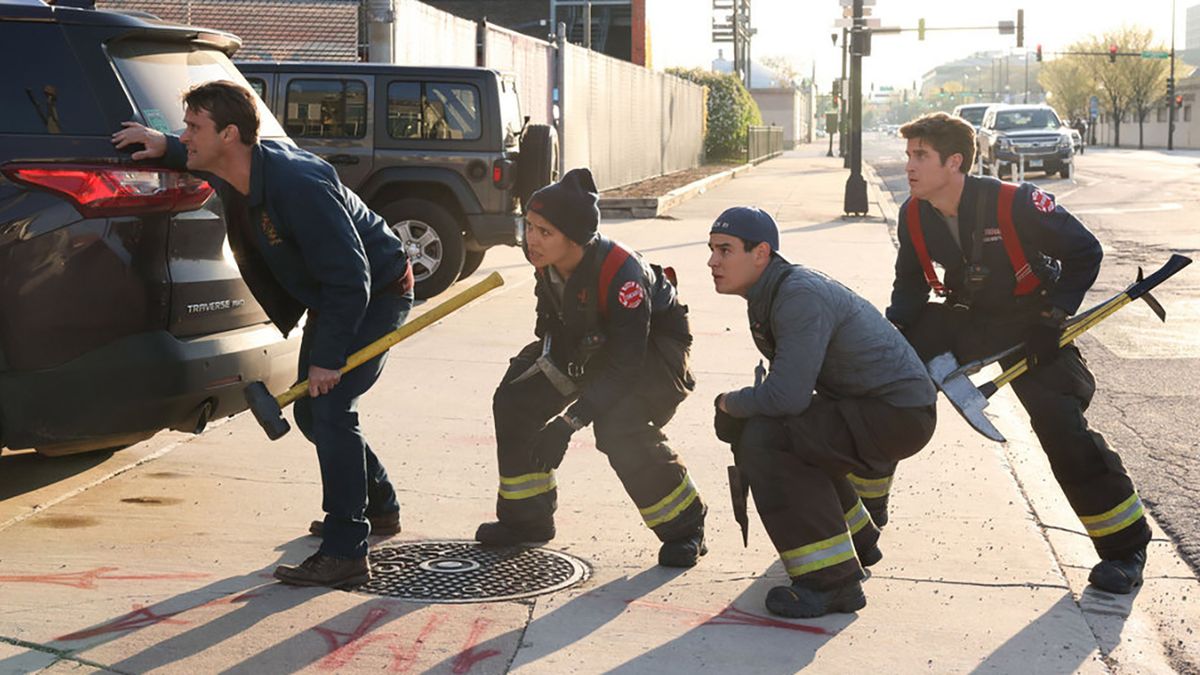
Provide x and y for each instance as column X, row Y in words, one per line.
column 153, row 141
column 321, row 380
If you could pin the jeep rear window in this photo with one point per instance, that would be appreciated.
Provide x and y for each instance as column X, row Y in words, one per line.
column 433, row 110
column 326, row 109
column 43, row 90
column 158, row 73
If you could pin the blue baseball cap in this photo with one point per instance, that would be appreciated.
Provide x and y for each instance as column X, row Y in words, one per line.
column 749, row 223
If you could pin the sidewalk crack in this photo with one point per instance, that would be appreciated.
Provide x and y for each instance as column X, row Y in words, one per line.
column 60, row 654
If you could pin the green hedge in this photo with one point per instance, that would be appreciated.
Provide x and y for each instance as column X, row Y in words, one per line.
column 730, row 110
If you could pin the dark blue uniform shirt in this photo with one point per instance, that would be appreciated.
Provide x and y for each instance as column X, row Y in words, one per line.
column 326, row 251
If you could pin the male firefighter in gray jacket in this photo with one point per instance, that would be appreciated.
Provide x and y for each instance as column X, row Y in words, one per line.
column 845, row 393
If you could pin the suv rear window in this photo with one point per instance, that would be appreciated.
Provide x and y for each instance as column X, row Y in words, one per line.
column 158, row 73
column 43, row 90
column 326, row 109
column 433, row 110
column 973, row 115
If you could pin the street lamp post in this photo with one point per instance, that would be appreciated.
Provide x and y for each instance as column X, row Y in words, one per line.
column 855, row 202
column 1171, row 94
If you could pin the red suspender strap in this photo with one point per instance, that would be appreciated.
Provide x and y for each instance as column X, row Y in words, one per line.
column 913, row 220
column 1027, row 281
column 617, row 255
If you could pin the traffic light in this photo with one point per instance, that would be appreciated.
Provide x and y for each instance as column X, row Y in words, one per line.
column 920, row 29
column 1020, row 28
column 1112, row 53
column 1039, row 53
column 1179, row 100
column 1170, row 86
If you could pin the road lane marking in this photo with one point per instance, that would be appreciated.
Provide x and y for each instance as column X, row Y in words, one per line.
column 1110, row 211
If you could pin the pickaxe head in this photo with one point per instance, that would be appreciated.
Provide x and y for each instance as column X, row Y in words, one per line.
column 962, row 394
column 266, row 410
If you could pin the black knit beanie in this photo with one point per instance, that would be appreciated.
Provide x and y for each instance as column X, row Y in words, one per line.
column 571, row 205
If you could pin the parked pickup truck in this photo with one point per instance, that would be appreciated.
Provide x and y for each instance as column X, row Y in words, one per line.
column 1030, row 133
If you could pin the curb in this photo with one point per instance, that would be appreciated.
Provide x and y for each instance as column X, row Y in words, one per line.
column 652, row 207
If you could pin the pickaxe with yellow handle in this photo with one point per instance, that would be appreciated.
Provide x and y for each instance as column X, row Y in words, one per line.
column 969, row 400
column 268, row 409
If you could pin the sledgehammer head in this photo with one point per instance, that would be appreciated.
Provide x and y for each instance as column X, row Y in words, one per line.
column 266, row 410
column 962, row 394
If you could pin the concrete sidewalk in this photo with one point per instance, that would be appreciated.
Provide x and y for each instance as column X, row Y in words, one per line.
column 166, row 566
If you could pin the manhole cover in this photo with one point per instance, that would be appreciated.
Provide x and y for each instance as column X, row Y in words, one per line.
column 463, row 571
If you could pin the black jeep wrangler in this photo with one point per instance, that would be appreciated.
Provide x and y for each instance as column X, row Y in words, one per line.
column 442, row 153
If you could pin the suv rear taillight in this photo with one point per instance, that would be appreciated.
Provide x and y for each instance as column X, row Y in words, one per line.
column 503, row 175
column 105, row 190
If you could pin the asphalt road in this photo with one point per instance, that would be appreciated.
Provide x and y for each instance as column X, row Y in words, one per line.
column 1142, row 206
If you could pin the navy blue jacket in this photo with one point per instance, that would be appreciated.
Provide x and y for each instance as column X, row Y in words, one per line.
column 641, row 305
column 319, row 241
column 1060, row 250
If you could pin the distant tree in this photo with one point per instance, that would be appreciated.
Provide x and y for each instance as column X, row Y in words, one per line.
column 1147, row 78
column 1112, row 79
column 1070, row 84
column 729, row 112
column 784, row 69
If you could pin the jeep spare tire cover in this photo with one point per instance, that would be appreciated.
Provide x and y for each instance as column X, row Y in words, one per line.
column 537, row 165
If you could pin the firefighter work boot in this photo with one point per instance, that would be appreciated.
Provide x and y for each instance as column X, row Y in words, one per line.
column 1121, row 575
column 326, row 570
column 801, row 602
column 878, row 508
column 383, row 525
column 684, row 552
column 497, row 533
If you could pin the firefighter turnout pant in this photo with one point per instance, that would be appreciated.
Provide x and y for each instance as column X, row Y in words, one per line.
column 1055, row 395
column 629, row 434
column 797, row 468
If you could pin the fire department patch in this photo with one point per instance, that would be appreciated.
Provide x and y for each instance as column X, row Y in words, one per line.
column 1043, row 202
column 630, row 295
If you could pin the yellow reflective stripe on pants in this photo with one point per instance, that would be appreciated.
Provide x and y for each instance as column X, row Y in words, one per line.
column 526, row 486
column 1115, row 519
column 870, row 487
column 672, row 505
column 857, row 517
column 818, row 556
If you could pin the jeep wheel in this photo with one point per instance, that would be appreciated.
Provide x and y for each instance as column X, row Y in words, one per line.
column 1065, row 171
column 537, row 164
column 433, row 240
column 471, row 262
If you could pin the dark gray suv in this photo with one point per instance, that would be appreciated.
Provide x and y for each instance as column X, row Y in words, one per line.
column 1031, row 134
column 442, row 153
column 122, row 311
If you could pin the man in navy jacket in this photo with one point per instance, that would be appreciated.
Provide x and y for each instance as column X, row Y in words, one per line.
column 1016, row 265
column 304, row 242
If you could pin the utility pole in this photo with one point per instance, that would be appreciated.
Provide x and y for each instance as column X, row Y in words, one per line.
column 1171, row 90
column 843, row 123
column 1026, row 77
column 855, row 202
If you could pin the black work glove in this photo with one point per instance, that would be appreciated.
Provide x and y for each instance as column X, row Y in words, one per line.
column 550, row 444
column 1041, row 344
column 729, row 428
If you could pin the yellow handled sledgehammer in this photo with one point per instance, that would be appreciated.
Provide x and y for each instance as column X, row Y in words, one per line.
column 268, row 409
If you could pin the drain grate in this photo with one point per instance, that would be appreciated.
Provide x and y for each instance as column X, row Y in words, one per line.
column 464, row 571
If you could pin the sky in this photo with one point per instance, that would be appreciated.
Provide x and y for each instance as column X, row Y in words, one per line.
column 800, row 30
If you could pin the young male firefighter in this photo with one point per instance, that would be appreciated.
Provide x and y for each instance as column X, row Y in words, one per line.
column 845, row 393
column 1017, row 265
column 613, row 344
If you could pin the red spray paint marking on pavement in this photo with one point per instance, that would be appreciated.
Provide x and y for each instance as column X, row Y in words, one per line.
column 730, row 616
column 140, row 617
column 403, row 658
column 87, row 579
column 468, row 657
column 341, row 653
